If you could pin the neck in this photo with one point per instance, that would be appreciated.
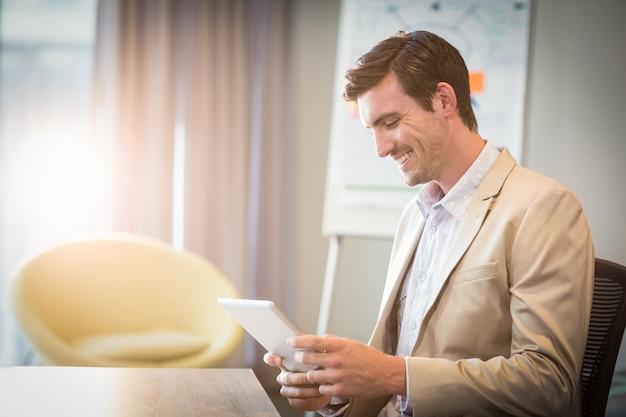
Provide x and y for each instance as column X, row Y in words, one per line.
column 464, row 151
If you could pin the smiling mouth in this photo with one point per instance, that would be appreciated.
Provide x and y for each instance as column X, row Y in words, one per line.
column 401, row 160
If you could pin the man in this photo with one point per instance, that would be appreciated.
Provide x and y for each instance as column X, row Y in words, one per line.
column 488, row 294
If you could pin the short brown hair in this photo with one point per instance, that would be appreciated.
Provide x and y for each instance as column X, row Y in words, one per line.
column 420, row 60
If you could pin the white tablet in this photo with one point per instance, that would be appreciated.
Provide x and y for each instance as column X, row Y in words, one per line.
column 268, row 325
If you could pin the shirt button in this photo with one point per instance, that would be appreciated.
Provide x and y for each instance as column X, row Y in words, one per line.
column 422, row 277
column 413, row 325
column 433, row 229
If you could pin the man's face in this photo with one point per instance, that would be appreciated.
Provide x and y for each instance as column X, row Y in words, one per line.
column 416, row 139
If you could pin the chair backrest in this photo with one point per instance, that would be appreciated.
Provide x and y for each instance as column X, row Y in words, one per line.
column 606, row 329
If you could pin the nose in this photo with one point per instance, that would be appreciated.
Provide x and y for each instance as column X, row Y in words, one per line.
column 384, row 144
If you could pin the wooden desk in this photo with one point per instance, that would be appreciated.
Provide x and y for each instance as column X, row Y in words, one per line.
column 120, row 392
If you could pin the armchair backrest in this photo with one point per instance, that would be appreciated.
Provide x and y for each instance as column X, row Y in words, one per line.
column 606, row 328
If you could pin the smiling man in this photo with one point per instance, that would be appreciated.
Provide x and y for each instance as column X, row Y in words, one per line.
column 487, row 298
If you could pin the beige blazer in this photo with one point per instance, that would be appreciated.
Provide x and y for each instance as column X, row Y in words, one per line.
column 506, row 334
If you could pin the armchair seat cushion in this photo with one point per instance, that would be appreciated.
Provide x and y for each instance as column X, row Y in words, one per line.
column 156, row 345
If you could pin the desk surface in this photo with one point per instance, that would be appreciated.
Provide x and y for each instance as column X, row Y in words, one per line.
column 120, row 392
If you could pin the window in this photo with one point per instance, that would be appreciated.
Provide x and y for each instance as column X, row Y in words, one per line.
column 46, row 174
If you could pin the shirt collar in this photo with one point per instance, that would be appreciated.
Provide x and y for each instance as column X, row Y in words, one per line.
column 460, row 195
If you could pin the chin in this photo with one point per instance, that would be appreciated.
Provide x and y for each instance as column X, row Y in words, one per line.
column 411, row 181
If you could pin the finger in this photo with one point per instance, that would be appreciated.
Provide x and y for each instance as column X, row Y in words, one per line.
column 308, row 391
column 273, row 360
column 321, row 377
column 287, row 378
column 302, row 390
column 315, row 343
column 307, row 357
column 312, row 378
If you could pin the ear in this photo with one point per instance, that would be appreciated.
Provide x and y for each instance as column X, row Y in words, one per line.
column 445, row 98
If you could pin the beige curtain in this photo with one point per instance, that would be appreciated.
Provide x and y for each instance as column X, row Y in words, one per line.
column 135, row 103
column 189, row 98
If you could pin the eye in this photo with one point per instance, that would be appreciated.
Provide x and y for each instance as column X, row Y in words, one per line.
column 390, row 124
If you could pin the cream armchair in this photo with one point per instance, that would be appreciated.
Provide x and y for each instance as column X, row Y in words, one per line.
column 123, row 300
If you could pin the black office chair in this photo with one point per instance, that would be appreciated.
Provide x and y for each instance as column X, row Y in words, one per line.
column 606, row 329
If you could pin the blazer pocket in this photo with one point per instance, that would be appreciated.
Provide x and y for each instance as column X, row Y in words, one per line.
column 474, row 273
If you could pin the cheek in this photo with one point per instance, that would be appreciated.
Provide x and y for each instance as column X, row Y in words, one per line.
column 417, row 139
column 430, row 136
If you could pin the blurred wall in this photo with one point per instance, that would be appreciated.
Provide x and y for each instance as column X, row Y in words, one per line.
column 573, row 133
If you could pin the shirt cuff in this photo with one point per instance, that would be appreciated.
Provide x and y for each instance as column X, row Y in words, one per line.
column 408, row 384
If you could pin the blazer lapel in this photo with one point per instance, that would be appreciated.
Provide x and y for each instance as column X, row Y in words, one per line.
column 395, row 274
column 478, row 209
column 400, row 263
column 470, row 226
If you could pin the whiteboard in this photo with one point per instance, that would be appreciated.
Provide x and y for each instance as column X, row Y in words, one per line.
column 364, row 194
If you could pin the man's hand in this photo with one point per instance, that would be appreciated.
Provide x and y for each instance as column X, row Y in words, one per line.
column 350, row 369
column 345, row 369
column 301, row 394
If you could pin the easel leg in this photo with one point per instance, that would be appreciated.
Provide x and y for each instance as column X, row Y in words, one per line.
column 329, row 285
